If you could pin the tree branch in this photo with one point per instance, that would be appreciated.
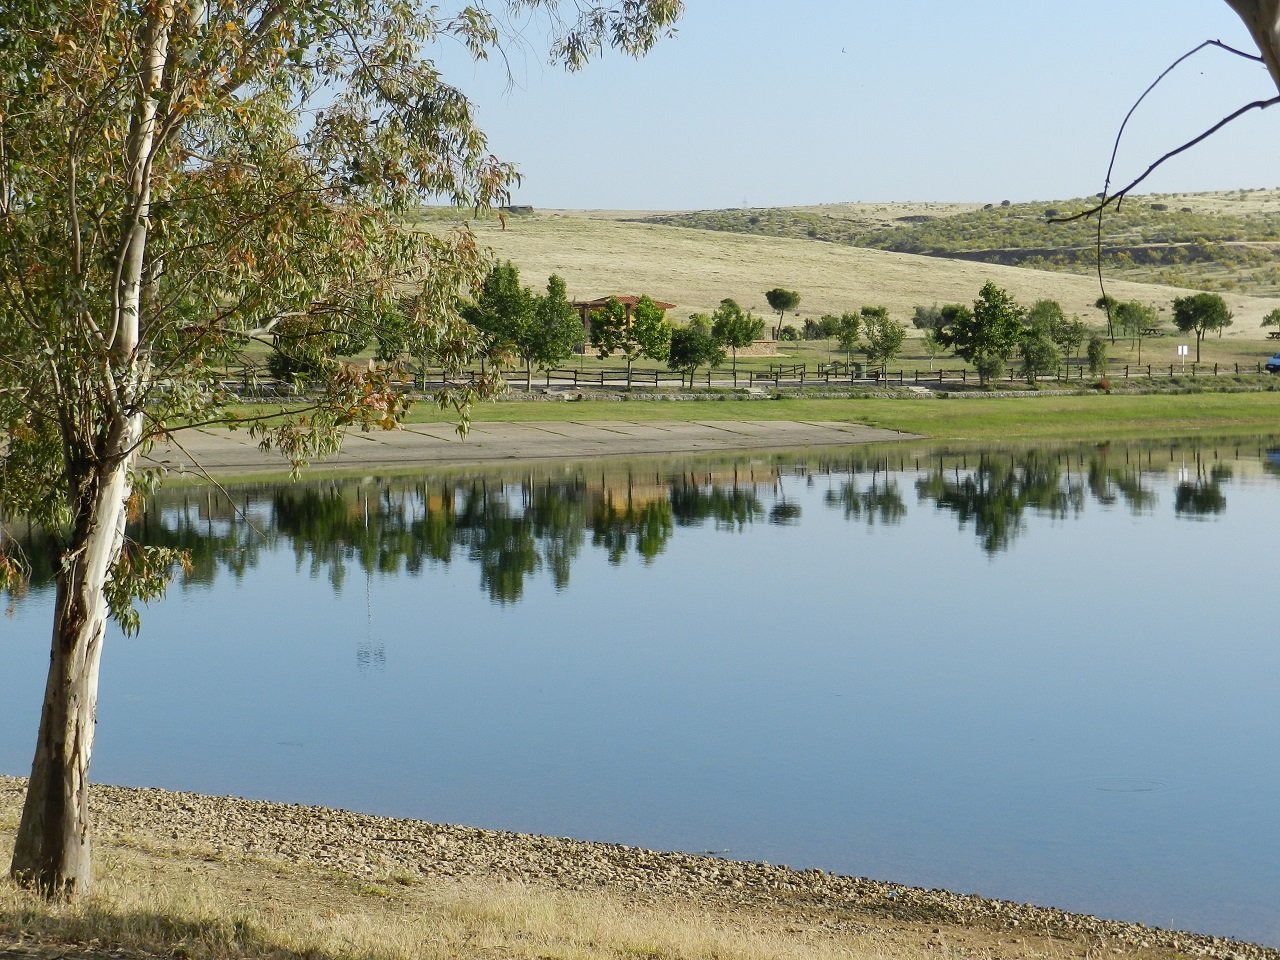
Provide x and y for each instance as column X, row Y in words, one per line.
column 1120, row 194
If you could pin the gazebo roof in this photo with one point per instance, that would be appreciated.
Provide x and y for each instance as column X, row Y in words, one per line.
column 627, row 300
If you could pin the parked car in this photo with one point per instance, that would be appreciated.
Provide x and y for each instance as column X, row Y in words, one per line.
column 1273, row 365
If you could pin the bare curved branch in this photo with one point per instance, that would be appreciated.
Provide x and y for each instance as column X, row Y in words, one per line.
column 1120, row 194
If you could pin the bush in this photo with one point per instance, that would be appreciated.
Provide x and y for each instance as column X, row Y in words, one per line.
column 1097, row 353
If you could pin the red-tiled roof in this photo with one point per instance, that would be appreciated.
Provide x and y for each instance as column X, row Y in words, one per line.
column 628, row 300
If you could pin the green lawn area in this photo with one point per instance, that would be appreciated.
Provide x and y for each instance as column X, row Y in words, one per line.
column 1094, row 416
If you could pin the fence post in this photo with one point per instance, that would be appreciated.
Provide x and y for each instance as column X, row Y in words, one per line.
column 1126, row 371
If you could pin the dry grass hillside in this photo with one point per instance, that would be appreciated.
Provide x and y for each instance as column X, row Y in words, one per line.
column 695, row 269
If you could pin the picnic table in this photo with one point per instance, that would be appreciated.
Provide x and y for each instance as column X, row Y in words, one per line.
column 1152, row 332
column 1274, row 335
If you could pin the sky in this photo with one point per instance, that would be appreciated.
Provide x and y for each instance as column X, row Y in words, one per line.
column 758, row 103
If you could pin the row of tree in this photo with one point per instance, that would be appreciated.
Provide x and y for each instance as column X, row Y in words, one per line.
column 997, row 328
column 543, row 330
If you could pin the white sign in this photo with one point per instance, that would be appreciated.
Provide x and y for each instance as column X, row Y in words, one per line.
column 1183, row 349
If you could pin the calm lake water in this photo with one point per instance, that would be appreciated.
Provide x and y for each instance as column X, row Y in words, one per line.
column 1044, row 675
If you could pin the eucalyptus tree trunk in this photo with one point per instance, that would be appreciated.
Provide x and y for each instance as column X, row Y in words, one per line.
column 52, row 849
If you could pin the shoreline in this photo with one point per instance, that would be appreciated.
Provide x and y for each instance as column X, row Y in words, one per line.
column 225, row 452
column 371, row 849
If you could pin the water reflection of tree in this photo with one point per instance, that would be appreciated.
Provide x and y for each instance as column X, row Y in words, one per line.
column 881, row 503
column 729, row 507
column 784, row 512
column 516, row 529
column 996, row 494
column 644, row 527
column 1109, row 482
column 1202, row 496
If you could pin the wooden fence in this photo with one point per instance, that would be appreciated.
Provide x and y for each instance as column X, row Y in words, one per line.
column 252, row 383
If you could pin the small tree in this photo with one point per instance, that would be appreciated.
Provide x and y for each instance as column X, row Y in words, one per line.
column 931, row 345
column 828, row 326
column 693, row 347
column 987, row 335
column 645, row 333
column 502, row 309
column 1040, row 355
column 1097, row 353
column 552, row 331
column 884, row 336
column 1199, row 313
column 733, row 328
column 781, row 301
column 848, row 326
column 1272, row 319
column 1132, row 318
column 1070, row 337
column 927, row 318
column 1047, row 317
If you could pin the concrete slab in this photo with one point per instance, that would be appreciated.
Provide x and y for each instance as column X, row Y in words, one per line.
column 224, row 452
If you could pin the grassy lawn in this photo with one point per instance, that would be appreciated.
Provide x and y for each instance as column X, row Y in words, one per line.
column 1093, row 416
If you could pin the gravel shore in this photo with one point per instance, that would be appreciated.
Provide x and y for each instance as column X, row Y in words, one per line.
column 377, row 848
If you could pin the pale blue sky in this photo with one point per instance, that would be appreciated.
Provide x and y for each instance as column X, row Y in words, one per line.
column 811, row 101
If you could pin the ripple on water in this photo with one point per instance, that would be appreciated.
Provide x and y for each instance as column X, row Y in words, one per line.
column 1126, row 784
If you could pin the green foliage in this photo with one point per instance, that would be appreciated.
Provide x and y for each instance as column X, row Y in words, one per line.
column 1070, row 336
column 502, row 308
column 693, row 347
column 883, row 336
column 824, row 328
column 931, row 344
column 781, row 301
column 608, row 328
column 181, row 184
column 554, row 328
column 1132, row 317
column 645, row 333
column 987, row 335
column 1040, row 355
column 157, row 170
column 734, row 328
column 1097, row 354
column 651, row 329
column 927, row 318
column 848, row 327
column 1272, row 319
column 1047, row 317
column 1199, row 313
column 541, row 330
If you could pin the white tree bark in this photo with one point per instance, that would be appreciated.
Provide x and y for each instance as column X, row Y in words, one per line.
column 1262, row 17
column 52, row 847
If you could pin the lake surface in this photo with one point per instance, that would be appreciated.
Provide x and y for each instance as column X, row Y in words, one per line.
column 1044, row 675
